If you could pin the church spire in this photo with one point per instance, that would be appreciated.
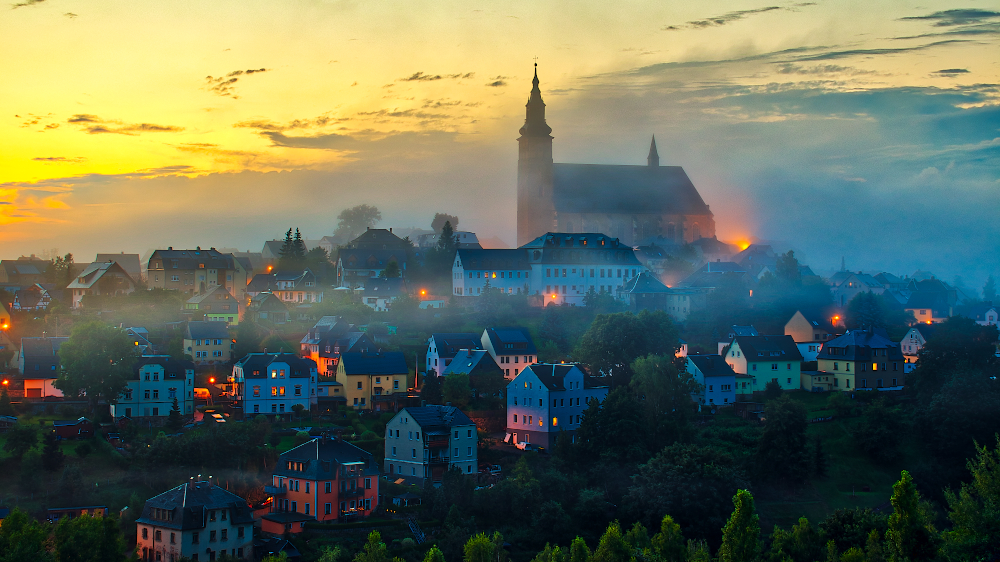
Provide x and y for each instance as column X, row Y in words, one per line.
column 653, row 160
column 534, row 120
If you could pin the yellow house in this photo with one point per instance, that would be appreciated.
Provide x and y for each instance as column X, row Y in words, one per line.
column 372, row 380
column 765, row 359
column 863, row 360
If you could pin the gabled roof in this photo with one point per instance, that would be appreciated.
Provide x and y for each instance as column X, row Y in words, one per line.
column 494, row 259
column 768, row 348
column 602, row 188
column 448, row 344
column 553, row 375
column 519, row 337
column 645, row 282
column 472, row 362
column 206, row 330
column 437, row 417
column 385, row 363
column 256, row 365
column 188, row 503
column 857, row 346
column 712, row 365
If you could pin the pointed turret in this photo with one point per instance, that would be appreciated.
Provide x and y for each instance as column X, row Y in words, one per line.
column 653, row 160
column 534, row 120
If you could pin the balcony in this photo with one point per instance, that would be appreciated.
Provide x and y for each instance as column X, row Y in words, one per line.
column 275, row 490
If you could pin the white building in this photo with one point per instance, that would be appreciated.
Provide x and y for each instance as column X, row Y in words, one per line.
column 716, row 377
column 511, row 348
column 196, row 520
column 560, row 267
column 272, row 383
column 545, row 399
column 442, row 347
column 156, row 381
column 424, row 442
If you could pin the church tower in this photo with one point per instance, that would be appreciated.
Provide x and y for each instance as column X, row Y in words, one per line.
column 535, row 205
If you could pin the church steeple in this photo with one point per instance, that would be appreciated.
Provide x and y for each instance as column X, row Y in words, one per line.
column 534, row 120
column 653, row 160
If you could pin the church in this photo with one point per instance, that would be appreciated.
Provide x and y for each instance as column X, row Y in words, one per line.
column 629, row 203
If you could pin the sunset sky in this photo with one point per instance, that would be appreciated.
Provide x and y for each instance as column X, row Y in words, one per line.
column 840, row 128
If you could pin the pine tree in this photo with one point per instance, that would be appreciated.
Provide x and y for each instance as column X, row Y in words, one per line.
column 741, row 535
column 174, row 421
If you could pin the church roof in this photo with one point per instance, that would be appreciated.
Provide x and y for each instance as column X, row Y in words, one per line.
column 603, row 188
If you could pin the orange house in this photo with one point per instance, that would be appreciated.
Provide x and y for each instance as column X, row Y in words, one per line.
column 325, row 480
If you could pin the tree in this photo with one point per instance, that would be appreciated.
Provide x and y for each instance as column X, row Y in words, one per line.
column 22, row 539
column 974, row 511
column 456, row 390
column 430, row 390
column 6, row 409
column 96, row 359
column 89, row 539
column 354, row 221
column 693, row 484
column 781, row 451
column 613, row 547
column 614, row 341
column 880, row 430
column 52, row 456
column 990, row 290
column 865, row 311
column 174, row 421
column 911, row 534
column 741, row 535
column 484, row 548
column 21, row 438
column 441, row 219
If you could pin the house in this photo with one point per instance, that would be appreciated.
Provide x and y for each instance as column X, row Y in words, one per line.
column 80, row 428
column 766, row 359
column 34, row 297
column 442, row 347
column 328, row 339
column 289, row 286
column 208, row 343
column 511, row 348
column 272, row 383
column 156, row 381
column 196, row 271
column 913, row 341
column 267, row 308
column 129, row 262
column 100, row 278
column 863, row 360
column 367, row 256
column 197, row 520
column 215, row 305
column 424, row 442
column 810, row 332
column 546, row 399
column 38, row 364
column 715, row 377
column 845, row 285
column 558, row 267
column 326, row 480
column 379, row 293
column 373, row 381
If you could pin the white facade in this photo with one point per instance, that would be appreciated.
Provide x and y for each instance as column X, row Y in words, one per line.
column 537, row 411
column 157, row 382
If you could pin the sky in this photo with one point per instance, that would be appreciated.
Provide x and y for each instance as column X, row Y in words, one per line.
column 855, row 130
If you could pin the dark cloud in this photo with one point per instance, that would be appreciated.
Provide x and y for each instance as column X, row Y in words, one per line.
column 730, row 17
column 73, row 160
column 223, row 85
column 965, row 16
column 26, row 3
column 99, row 126
column 952, row 71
